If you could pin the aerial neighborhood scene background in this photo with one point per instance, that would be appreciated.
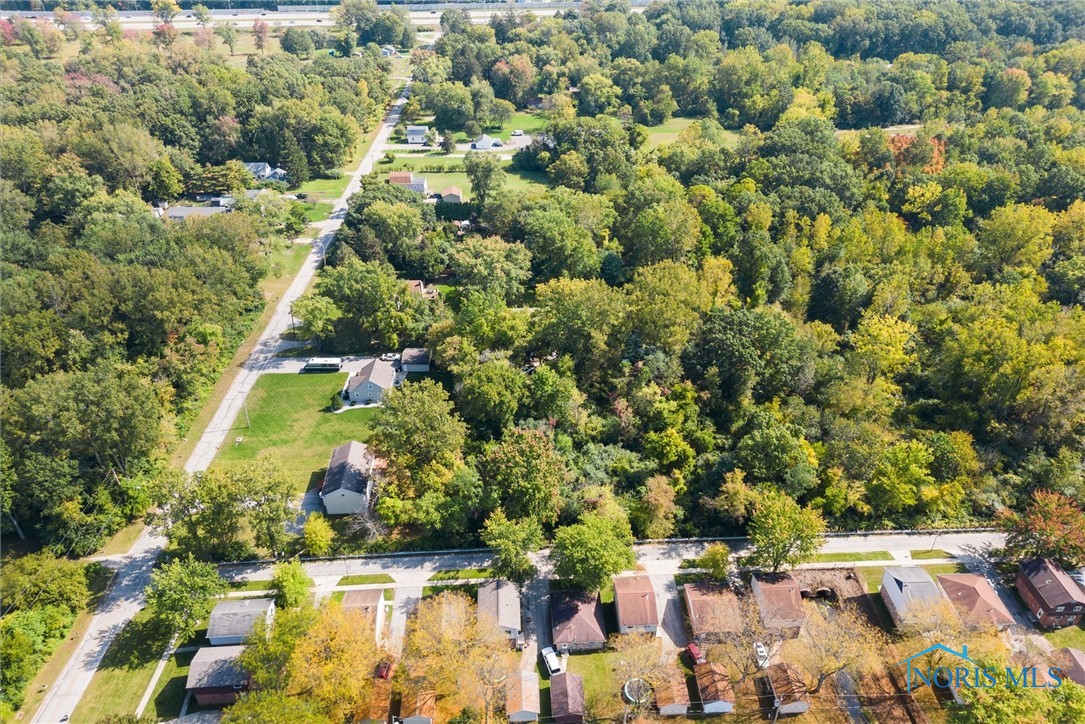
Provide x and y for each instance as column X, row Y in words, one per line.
column 600, row 361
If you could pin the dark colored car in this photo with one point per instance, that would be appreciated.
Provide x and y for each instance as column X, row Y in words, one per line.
column 384, row 670
column 695, row 654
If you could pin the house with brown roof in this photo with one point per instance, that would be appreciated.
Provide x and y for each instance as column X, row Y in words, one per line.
column 779, row 598
column 1055, row 599
column 672, row 696
column 522, row 697
column 566, row 698
column 577, row 621
column 1072, row 663
column 408, row 180
column 418, row 707
column 788, row 689
column 714, row 686
column 367, row 601
column 975, row 599
column 452, row 195
column 713, row 611
column 635, row 600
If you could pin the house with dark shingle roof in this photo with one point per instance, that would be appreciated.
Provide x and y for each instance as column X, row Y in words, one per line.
column 577, row 621
column 368, row 385
column 415, row 359
column 1054, row 598
column 233, row 620
column 1072, row 663
column 348, row 484
column 566, row 698
column 713, row 611
column 215, row 676
column 779, row 598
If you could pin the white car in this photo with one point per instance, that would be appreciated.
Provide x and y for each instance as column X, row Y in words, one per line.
column 517, row 132
column 551, row 660
column 761, row 653
column 389, row 357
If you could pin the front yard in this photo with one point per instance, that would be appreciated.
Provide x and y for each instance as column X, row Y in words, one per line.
column 289, row 418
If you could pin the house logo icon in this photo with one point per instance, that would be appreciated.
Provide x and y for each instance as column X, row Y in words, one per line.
column 925, row 676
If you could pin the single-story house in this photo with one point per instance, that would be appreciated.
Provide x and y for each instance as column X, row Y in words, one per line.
column 181, row 213
column 907, row 586
column 713, row 611
column 348, row 484
column 418, row 707
column 714, row 686
column 975, row 599
column 1072, row 662
column 788, row 689
column 672, row 696
column 368, row 385
column 408, row 180
column 417, row 134
column 577, row 621
column 635, row 600
column 262, row 171
column 415, row 359
column 367, row 601
column 522, row 697
column 451, row 195
column 388, row 51
column 566, row 698
column 378, row 707
column 499, row 602
column 215, row 675
column 779, row 598
column 417, row 286
column 1054, row 598
column 485, row 143
column 233, row 620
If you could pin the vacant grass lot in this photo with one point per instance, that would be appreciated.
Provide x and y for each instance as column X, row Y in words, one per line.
column 290, row 419
column 458, row 574
column 454, row 176
column 926, row 555
column 324, row 189
column 668, row 133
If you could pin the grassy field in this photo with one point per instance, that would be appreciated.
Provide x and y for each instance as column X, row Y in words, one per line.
column 1072, row 636
column 169, row 692
column 668, row 132
column 365, row 578
column 846, row 557
column 318, row 211
column 290, row 419
column 125, row 671
column 283, row 266
column 926, row 555
column 457, row 574
column 324, row 189
column 122, row 540
column 454, row 176
column 872, row 575
column 602, row 690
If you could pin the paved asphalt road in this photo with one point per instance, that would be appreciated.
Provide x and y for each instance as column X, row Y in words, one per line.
column 125, row 597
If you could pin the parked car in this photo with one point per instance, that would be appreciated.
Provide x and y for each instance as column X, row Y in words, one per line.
column 518, row 132
column 389, row 357
column 384, row 669
column 551, row 660
column 761, row 653
column 696, row 656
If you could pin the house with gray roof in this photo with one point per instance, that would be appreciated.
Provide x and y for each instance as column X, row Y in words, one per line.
column 905, row 588
column 263, row 171
column 368, row 385
column 417, row 134
column 348, row 484
column 215, row 676
column 233, row 620
column 181, row 213
column 499, row 603
column 415, row 359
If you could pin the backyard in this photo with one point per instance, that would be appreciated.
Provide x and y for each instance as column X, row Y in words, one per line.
column 453, row 175
column 288, row 417
column 669, row 131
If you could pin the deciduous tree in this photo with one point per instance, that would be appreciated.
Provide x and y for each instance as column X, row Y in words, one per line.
column 781, row 533
column 180, row 594
column 1052, row 526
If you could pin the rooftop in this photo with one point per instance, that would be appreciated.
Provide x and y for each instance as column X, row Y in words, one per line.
column 566, row 694
column 577, row 618
column 237, row 617
column 350, row 468
column 216, row 666
column 713, row 682
column 713, row 608
column 786, row 683
column 975, row 599
column 779, row 598
column 1053, row 584
column 500, row 600
column 415, row 356
column 522, row 692
column 380, row 373
column 913, row 583
column 635, row 599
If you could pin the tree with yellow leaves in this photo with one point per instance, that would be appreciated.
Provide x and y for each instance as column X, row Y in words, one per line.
column 837, row 640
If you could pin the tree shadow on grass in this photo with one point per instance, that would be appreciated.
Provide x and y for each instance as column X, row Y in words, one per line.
column 138, row 644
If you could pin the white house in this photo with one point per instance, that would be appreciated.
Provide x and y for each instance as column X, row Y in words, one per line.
column 263, row 171
column 348, row 484
column 368, row 385
column 408, row 180
column 907, row 586
column 388, row 51
column 485, row 143
column 233, row 620
column 415, row 359
column 451, row 195
column 522, row 697
column 417, row 134
column 499, row 603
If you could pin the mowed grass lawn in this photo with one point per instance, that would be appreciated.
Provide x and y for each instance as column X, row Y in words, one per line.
column 290, row 419
column 872, row 575
column 1072, row 636
column 454, row 176
column 602, row 690
column 668, row 133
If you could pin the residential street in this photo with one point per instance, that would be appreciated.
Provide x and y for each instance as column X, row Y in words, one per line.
column 125, row 597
